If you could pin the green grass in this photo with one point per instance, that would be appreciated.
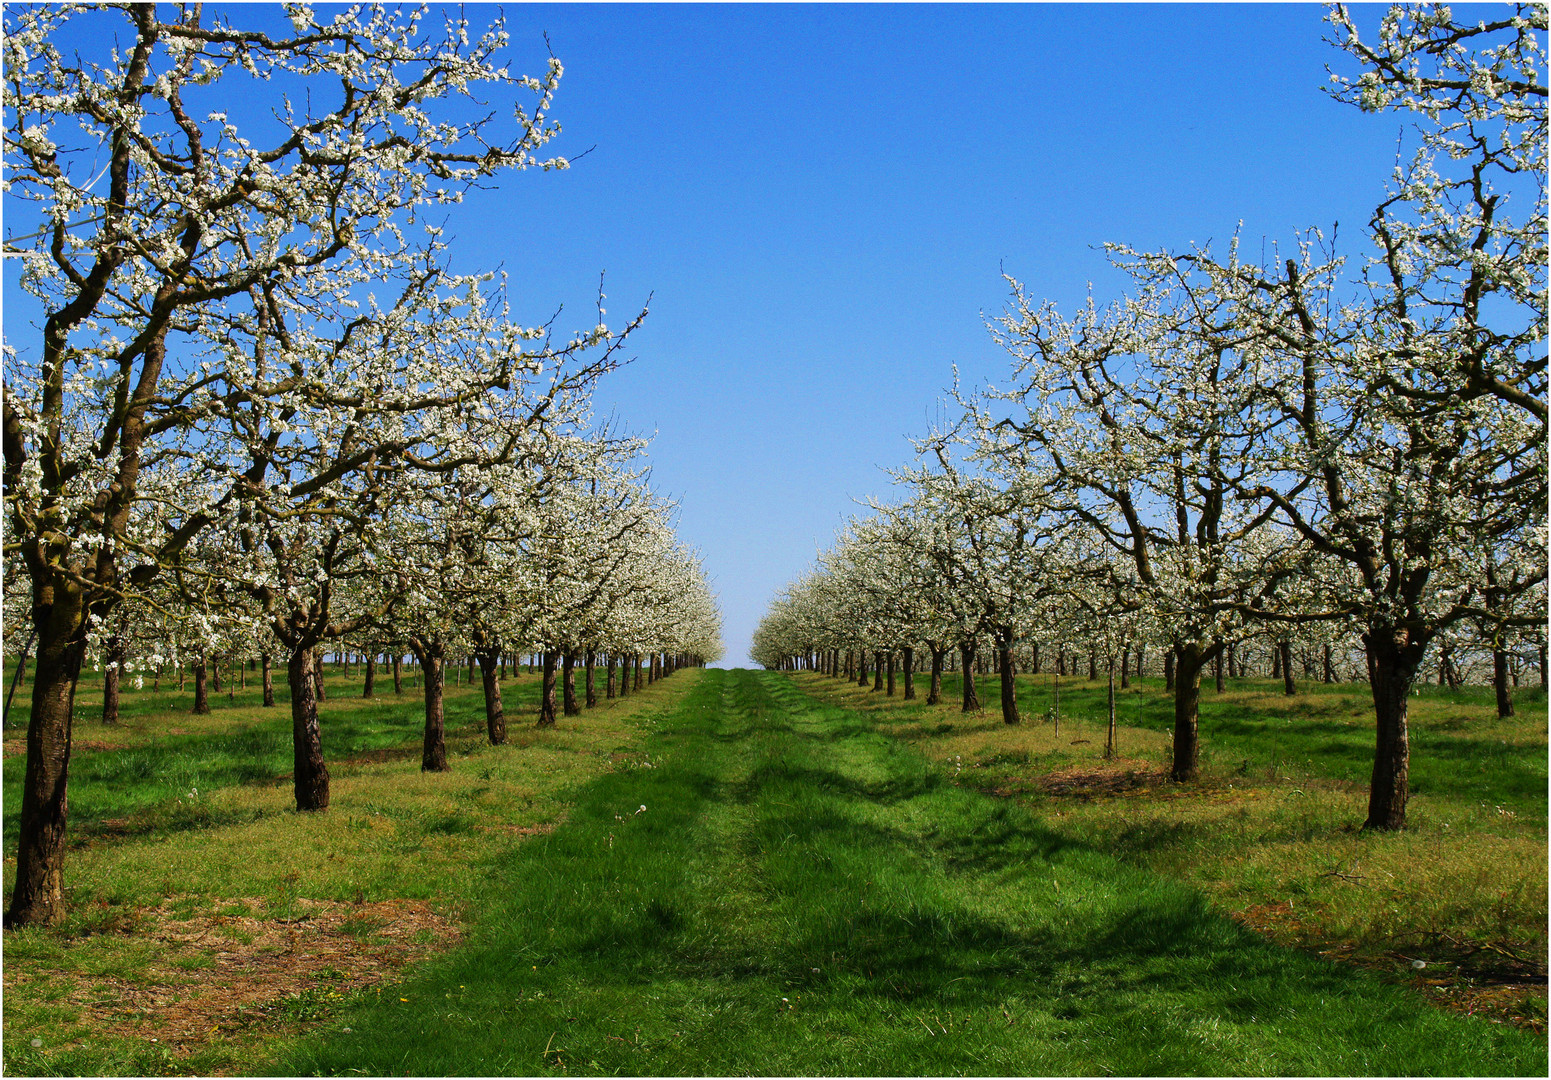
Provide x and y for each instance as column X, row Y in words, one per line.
column 823, row 880
column 147, row 862
column 159, row 767
column 1271, row 832
column 1460, row 750
column 806, row 894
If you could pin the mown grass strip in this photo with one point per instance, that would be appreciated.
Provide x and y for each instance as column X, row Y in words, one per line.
column 804, row 895
column 236, row 910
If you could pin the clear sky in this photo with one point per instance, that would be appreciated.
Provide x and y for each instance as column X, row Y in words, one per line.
column 821, row 200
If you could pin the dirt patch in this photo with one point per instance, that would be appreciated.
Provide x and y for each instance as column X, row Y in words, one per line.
column 77, row 746
column 1088, row 782
column 224, row 972
column 1487, row 981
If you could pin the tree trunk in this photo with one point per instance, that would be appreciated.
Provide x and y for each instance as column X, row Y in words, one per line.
column 591, row 682
column 1093, row 663
column 1217, row 671
column 110, row 680
column 1109, row 734
column 1034, row 658
column 971, row 697
column 495, row 714
column 1330, row 667
column 1056, row 708
column 638, row 677
column 433, row 754
column 1393, row 660
column 1500, row 682
column 201, row 688
column 215, row 674
column 369, row 680
column 889, row 682
column 38, row 898
column 568, row 684
column 1188, row 662
column 1168, row 671
column 877, row 670
column 608, row 676
column 861, row 667
column 310, row 775
column 1288, row 686
column 934, row 688
column 317, row 675
column 909, row 664
column 269, row 681
column 547, row 692
column 398, row 674
column 1009, row 685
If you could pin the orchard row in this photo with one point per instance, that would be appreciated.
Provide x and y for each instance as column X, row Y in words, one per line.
column 264, row 416
column 1285, row 453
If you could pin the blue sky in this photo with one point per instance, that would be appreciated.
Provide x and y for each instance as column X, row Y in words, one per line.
column 821, row 199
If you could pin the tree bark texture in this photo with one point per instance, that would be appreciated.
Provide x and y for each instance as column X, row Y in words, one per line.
column 1500, row 682
column 269, row 680
column 495, row 713
column 310, row 776
column 1188, row 662
column 1009, row 685
column 934, row 688
column 547, row 692
column 908, row 662
column 1109, row 733
column 110, row 680
column 433, row 753
column 201, row 688
column 38, row 897
column 568, row 684
column 971, row 696
column 1393, row 660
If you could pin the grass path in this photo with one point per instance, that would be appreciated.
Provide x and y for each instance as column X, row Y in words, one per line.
column 802, row 895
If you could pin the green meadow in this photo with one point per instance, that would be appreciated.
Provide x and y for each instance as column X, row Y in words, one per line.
column 746, row 872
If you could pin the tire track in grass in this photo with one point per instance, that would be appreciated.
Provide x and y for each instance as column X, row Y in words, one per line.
column 801, row 895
